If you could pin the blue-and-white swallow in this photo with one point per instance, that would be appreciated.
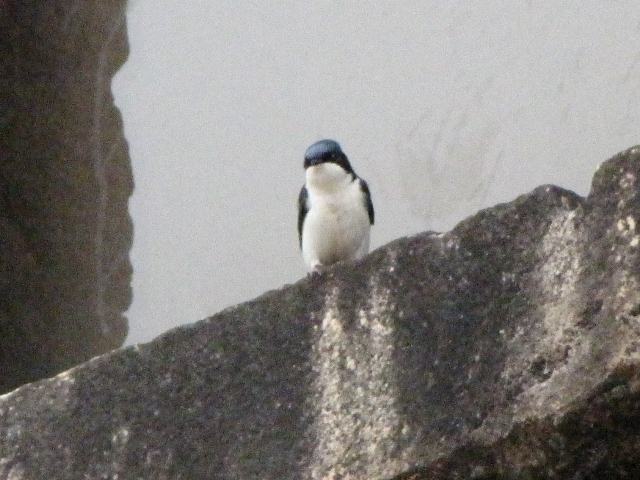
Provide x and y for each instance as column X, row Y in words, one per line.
column 335, row 212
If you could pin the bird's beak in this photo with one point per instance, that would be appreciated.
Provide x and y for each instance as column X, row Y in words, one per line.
column 313, row 162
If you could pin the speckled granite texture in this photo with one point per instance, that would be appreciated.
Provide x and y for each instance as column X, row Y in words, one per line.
column 65, row 179
column 508, row 348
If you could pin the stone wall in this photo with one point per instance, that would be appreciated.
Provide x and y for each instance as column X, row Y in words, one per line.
column 65, row 179
column 507, row 348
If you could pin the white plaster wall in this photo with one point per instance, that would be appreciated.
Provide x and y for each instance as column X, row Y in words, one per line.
column 444, row 107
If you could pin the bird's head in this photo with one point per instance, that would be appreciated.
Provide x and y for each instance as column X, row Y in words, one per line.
column 326, row 165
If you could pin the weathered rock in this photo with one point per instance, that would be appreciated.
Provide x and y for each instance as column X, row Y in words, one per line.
column 65, row 180
column 506, row 348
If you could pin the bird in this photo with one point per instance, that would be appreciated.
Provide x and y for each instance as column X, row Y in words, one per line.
column 335, row 211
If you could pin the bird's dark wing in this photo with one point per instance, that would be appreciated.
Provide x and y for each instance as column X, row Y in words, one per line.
column 303, row 208
column 367, row 199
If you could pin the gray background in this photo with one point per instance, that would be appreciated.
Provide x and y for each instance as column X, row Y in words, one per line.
column 444, row 107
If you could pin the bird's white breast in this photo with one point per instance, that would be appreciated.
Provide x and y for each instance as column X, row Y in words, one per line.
column 337, row 224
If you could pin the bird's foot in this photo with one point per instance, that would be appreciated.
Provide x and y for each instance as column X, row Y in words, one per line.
column 317, row 270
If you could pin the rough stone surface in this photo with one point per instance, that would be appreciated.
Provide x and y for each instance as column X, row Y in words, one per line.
column 508, row 348
column 65, row 180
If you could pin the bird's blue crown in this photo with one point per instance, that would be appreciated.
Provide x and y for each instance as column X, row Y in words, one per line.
column 327, row 151
column 321, row 149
